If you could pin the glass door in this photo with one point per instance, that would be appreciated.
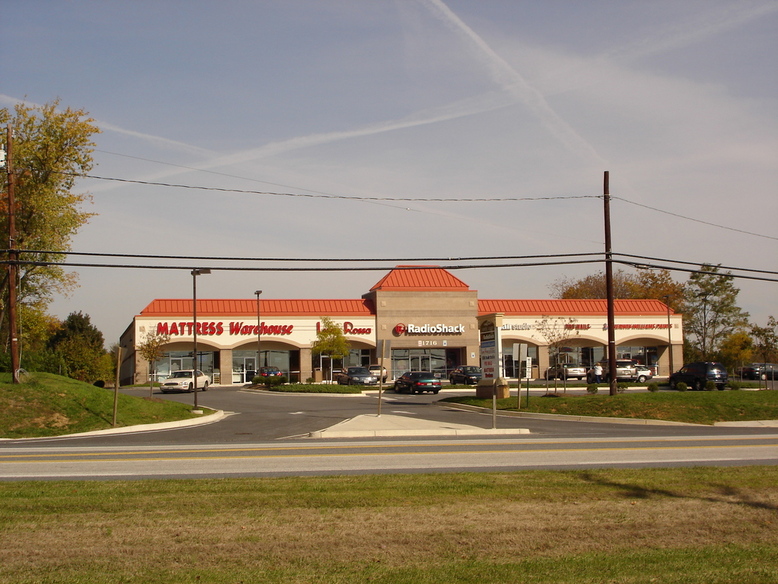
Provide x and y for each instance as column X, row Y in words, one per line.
column 420, row 362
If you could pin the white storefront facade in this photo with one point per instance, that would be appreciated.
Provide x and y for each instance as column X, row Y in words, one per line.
column 423, row 317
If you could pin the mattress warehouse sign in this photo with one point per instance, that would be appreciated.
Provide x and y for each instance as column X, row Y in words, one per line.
column 238, row 328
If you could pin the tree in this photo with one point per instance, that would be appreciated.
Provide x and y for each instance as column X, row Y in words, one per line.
column 736, row 350
column 51, row 149
column 330, row 340
column 151, row 349
column 80, row 345
column 556, row 331
column 766, row 340
column 711, row 312
column 655, row 284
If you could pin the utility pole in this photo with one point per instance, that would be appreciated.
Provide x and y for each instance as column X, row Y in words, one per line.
column 609, row 287
column 13, row 257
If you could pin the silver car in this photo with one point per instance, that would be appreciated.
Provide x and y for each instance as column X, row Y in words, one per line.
column 183, row 380
column 566, row 371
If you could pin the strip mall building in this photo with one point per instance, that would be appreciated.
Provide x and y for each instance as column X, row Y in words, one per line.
column 423, row 317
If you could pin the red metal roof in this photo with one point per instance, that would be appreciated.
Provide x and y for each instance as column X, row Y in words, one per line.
column 580, row 307
column 248, row 307
column 420, row 278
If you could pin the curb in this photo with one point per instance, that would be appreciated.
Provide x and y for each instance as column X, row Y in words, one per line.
column 431, row 432
column 565, row 417
column 210, row 418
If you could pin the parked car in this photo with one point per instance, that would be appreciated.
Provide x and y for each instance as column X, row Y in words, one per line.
column 378, row 370
column 566, row 371
column 184, row 380
column 759, row 371
column 417, row 382
column 626, row 370
column 696, row 375
column 357, row 376
column 643, row 373
column 465, row 375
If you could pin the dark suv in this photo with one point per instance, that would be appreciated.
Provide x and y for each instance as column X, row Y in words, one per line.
column 696, row 375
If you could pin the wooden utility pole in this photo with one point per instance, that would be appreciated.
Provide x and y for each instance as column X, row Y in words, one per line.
column 609, row 287
column 13, row 257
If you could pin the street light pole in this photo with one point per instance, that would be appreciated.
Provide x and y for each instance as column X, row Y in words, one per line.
column 196, row 272
column 259, row 332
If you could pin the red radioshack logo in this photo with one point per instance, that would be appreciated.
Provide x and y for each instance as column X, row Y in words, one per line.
column 399, row 330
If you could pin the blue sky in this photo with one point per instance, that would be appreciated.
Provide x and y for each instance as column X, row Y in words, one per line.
column 408, row 99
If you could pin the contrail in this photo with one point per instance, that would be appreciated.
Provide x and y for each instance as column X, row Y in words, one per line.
column 682, row 34
column 512, row 82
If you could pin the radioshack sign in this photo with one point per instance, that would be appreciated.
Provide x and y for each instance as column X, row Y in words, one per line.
column 428, row 329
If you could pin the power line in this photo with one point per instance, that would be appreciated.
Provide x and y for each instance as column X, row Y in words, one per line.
column 312, row 260
column 626, row 255
column 450, row 267
column 404, row 262
column 322, row 195
column 341, row 197
column 696, row 220
column 691, row 271
column 294, row 269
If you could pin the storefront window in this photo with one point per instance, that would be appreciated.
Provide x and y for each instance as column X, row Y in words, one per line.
column 244, row 363
column 434, row 360
column 177, row 360
column 510, row 366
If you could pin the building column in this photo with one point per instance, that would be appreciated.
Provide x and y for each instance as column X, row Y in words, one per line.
column 306, row 368
column 225, row 366
column 544, row 361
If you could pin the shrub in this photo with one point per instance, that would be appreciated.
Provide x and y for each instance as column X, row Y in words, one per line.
column 681, row 386
column 653, row 386
column 710, row 386
column 269, row 381
column 735, row 385
column 592, row 388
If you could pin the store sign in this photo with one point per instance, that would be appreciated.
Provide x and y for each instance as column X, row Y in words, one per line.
column 636, row 327
column 428, row 329
column 490, row 352
column 350, row 329
column 206, row 328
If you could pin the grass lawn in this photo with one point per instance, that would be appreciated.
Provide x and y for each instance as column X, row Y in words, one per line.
column 50, row 405
column 711, row 525
column 696, row 407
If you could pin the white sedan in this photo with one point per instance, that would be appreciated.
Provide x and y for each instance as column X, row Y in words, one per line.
column 184, row 380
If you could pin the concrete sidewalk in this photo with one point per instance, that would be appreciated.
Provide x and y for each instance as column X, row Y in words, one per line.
column 370, row 425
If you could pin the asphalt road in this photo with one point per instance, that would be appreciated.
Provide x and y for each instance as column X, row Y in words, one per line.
column 267, row 434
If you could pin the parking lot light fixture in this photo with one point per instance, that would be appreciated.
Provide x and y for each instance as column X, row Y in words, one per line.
column 259, row 331
column 196, row 272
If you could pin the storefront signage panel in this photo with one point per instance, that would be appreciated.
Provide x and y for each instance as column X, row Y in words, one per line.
column 304, row 331
column 646, row 326
column 428, row 329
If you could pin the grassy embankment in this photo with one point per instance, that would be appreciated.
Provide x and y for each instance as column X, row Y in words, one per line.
column 695, row 407
column 50, row 405
column 712, row 525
